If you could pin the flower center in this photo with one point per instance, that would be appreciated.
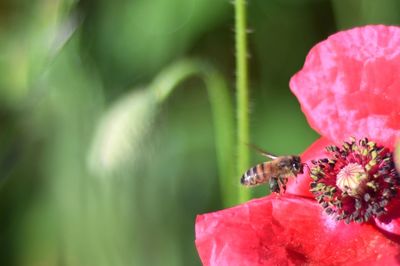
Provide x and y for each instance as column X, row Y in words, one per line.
column 356, row 182
column 351, row 179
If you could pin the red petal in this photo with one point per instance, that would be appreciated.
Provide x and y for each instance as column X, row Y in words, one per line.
column 390, row 222
column 288, row 231
column 350, row 85
column 301, row 184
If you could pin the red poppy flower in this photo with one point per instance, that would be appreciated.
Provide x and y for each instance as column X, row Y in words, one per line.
column 346, row 209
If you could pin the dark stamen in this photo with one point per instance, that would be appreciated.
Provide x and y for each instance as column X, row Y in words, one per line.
column 357, row 182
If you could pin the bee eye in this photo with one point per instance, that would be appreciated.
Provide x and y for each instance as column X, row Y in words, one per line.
column 295, row 166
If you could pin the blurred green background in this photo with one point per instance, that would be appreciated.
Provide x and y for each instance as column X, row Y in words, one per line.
column 117, row 118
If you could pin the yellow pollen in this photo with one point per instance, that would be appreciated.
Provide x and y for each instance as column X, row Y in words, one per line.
column 351, row 179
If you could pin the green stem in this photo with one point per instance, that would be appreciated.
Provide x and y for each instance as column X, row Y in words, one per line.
column 222, row 112
column 242, row 94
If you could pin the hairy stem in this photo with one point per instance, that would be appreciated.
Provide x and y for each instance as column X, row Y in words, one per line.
column 242, row 94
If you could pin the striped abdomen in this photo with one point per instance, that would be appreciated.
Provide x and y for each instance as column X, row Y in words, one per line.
column 257, row 175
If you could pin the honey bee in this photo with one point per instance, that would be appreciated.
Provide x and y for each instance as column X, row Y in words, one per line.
column 276, row 172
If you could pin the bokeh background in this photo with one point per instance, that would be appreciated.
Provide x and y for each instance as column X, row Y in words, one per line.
column 117, row 118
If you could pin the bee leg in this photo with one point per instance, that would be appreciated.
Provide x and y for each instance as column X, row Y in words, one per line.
column 282, row 184
column 274, row 185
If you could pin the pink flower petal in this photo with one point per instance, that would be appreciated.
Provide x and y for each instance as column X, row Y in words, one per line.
column 288, row 230
column 350, row 85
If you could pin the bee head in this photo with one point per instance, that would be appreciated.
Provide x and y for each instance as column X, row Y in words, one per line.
column 297, row 166
column 292, row 164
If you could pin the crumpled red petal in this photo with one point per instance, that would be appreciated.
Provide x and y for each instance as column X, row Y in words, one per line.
column 349, row 85
column 288, row 230
column 301, row 184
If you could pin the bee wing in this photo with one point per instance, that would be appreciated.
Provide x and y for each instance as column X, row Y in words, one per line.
column 262, row 152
